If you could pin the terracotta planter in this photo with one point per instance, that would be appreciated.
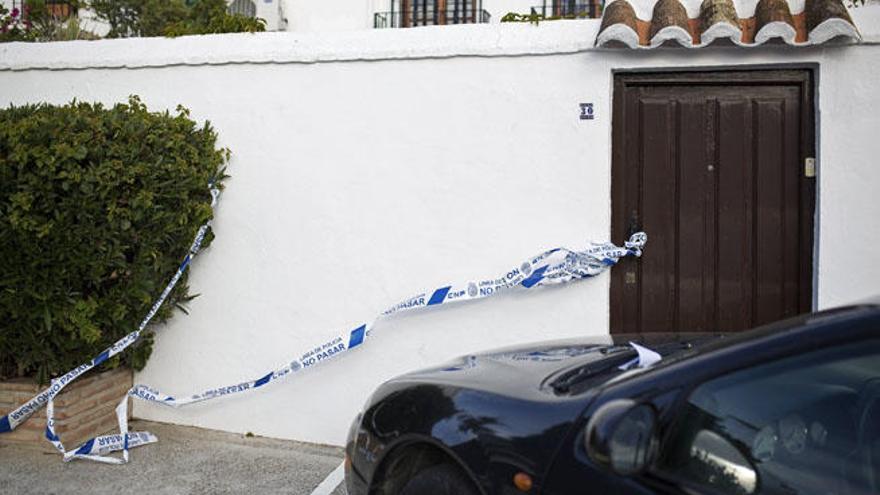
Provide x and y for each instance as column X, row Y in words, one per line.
column 84, row 409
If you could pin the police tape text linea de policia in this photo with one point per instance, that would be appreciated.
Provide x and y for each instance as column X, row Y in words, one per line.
column 555, row 266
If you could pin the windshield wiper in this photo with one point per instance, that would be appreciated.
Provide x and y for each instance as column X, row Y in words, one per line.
column 566, row 381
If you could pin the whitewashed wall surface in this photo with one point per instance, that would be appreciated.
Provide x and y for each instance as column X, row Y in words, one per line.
column 369, row 165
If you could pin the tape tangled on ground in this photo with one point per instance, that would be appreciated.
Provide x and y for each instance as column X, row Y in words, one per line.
column 555, row 266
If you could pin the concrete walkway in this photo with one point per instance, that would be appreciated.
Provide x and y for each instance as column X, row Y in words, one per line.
column 185, row 461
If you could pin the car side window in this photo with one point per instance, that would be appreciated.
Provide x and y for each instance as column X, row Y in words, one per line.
column 808, row 424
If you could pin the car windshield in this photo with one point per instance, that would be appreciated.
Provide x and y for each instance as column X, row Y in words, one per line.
column 804, row 425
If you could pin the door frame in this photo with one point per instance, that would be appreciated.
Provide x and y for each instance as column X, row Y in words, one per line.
column 805, row 76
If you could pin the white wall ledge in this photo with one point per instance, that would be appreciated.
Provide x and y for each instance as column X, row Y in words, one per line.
column 291, row 47
column 481, row 40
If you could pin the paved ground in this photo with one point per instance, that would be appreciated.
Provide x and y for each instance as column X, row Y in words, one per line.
column 184, row 461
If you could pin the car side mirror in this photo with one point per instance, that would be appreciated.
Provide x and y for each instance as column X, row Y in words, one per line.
column 621, row 436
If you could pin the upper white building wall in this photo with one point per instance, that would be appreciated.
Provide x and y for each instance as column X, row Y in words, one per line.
column 338, row 15
column 273, row 13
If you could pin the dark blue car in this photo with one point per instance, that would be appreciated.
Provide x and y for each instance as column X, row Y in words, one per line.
column 789, row 408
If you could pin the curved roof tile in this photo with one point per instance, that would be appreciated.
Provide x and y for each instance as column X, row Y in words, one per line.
column 718, row 20
column 619, row 25
column 773, row 20
column 670, row 22
column 827, row 19
column 796, row 22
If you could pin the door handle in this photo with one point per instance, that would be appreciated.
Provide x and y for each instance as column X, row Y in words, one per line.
column 634, row 225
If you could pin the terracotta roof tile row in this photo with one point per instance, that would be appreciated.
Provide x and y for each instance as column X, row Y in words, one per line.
column 697, row 23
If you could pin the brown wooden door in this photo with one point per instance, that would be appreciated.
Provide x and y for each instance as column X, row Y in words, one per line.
column 711, row 166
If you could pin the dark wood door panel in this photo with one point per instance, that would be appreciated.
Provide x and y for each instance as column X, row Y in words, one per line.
column 694, row 220
column 657, row 209
column 736, row 240
column 712, row 172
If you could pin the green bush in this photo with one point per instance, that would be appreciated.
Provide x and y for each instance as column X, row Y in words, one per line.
column 97, row 208
column 534, row 17
column 171, row 18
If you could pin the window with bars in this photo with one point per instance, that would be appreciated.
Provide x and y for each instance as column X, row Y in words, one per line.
column 412, row 13
column 569, row 8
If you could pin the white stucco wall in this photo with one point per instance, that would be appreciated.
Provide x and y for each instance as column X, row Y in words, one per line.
column 338, row 15
column 370, row 165
column 272, row 11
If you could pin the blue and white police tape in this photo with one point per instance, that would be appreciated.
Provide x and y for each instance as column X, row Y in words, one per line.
column 555, row 266
column 103, row 444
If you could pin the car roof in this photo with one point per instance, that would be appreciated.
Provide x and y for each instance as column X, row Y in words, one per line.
column 829, row 327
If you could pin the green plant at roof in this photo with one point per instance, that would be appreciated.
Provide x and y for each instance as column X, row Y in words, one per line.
column 128, row 18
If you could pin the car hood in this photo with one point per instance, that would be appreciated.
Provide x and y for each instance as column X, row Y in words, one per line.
column 535, row 371
column 495, row 410
column 498, row 408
